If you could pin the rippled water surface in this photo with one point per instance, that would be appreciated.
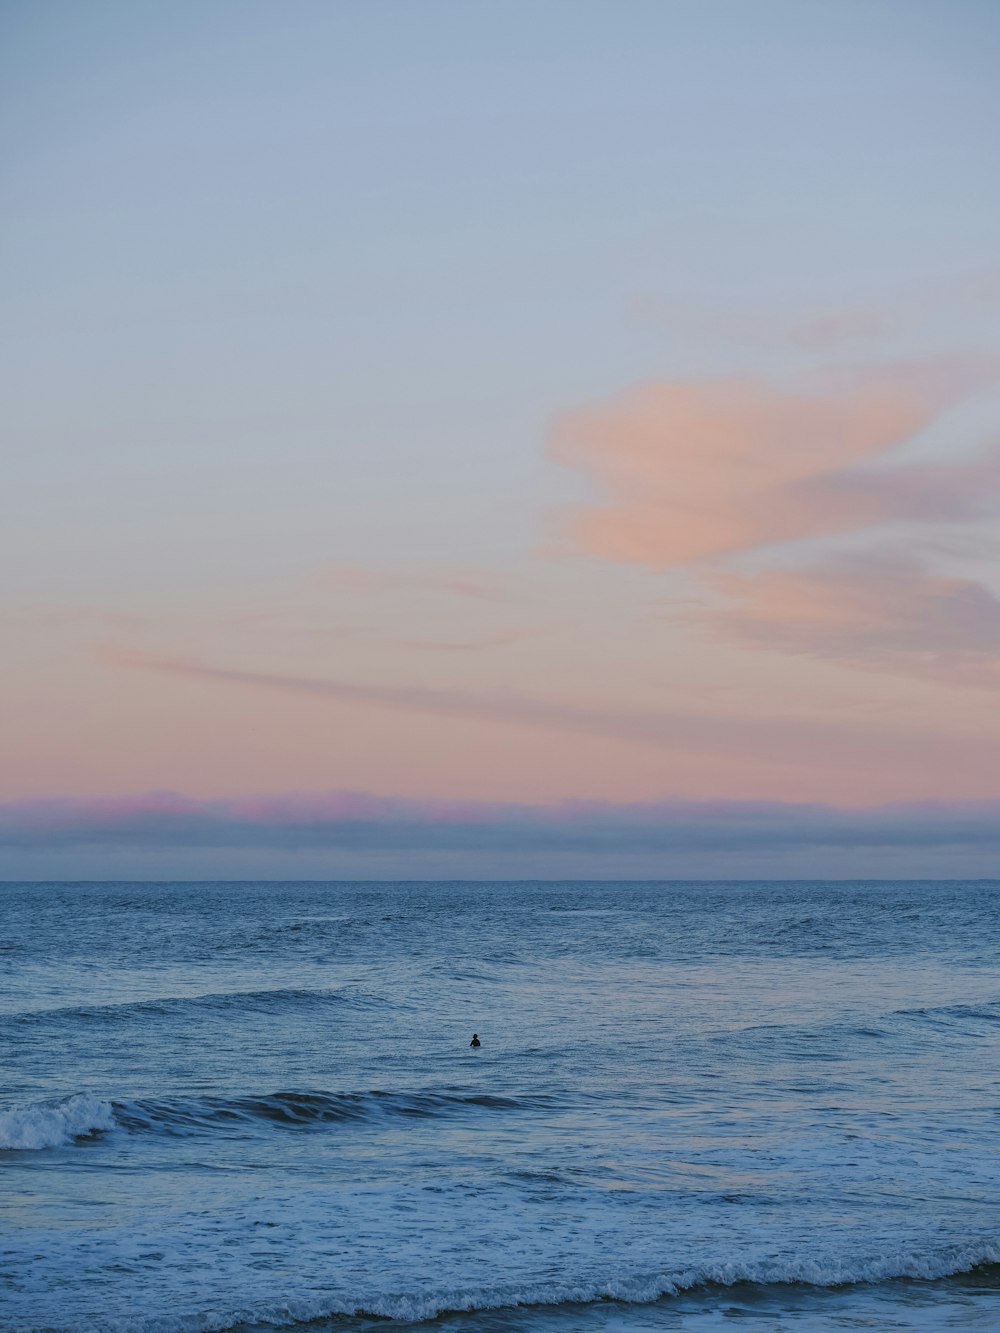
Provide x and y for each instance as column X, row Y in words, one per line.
column 249, row 1105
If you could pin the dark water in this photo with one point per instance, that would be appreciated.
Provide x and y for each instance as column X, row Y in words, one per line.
column 251, row 1105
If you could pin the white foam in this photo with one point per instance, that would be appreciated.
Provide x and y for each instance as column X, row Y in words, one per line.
column 635, row 1289
column 54, row 1124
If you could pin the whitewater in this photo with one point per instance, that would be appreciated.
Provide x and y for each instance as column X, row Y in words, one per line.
column 255, row 1106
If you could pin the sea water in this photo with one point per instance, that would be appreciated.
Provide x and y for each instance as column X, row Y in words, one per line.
column 695, row 1106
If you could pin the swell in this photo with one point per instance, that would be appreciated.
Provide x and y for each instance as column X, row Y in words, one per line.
column 169, row 1006
column 57, row 1124
column 828, row 1040
column 949, row 1014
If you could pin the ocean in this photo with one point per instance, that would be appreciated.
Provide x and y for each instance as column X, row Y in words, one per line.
column 696, row 1106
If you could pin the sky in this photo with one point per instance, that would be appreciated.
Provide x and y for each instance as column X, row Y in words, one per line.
column 521, row 440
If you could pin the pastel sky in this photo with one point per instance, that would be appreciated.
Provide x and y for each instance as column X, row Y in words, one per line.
column 532, row 439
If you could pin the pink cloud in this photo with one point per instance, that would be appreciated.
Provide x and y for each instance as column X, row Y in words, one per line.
column 799, row 743
column 692, row 470
column 881, row 612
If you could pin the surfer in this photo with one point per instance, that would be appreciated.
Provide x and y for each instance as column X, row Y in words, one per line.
column 475, row 1040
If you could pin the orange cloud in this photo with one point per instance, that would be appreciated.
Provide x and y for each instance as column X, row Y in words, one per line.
column 705, row 468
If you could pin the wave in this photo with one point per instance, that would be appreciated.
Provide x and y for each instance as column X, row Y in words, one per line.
column 986, row 1012
column 299, row 1109
column 980, row 1261
column 54, row 1124
column 280, row 998
column 825, row 1041
column 58, row 1124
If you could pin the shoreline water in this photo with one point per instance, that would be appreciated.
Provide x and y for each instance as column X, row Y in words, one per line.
column 255, row 1110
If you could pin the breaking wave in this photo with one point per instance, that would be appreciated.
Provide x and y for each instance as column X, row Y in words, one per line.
column 981, row 1261
column 55, row 1124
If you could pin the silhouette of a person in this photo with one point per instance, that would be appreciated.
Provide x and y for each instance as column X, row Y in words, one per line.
column 475, row 1040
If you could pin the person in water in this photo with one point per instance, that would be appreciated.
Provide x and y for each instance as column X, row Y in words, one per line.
column 475, row 1040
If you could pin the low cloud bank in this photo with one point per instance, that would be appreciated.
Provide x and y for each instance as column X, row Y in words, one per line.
column 357, row 822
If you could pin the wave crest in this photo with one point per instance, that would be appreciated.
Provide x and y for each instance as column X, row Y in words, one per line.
column 299, row 1109
column 54, row 1124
